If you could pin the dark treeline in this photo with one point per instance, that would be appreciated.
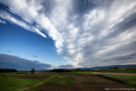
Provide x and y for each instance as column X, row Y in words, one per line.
column 7, row 70
column 60, row 70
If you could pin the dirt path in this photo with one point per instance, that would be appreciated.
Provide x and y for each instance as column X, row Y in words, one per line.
column 129, row 74
column 87, row 83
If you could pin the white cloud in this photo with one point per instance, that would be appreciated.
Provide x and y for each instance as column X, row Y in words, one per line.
column 39, row 32
column 27, row 10
column 14, row 20
column 20, row 23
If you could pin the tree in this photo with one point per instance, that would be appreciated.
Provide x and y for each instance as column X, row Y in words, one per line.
column 32, row 71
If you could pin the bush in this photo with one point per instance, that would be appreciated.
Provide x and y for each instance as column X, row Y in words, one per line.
column 4, row 75
column 32, row 71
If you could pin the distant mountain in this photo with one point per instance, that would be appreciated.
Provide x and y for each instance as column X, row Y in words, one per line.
column 107, row 67
column 112, row 66
column 103, row 67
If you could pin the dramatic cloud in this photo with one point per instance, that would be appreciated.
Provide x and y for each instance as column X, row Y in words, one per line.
column 85, row 32
column 8, row 61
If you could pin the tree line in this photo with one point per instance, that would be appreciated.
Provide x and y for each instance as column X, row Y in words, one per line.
column 60, row 70
column 7, row 70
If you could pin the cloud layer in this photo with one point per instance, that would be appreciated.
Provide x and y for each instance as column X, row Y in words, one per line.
column 85, row 32
column 8, row 61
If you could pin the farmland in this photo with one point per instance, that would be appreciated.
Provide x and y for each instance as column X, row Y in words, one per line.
column 63, row 81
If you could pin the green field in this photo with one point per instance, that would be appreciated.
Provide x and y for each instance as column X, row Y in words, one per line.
column 82, row 73
column 119, row 70
column 130, row 80
column 11, row 84
column 72, row 73
column 61, row 80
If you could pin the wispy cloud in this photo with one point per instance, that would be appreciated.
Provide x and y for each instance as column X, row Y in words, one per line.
column 9, row 51
column 85, row 32
column 10, row 16
column 1, row 21
column 34, row 55
column 31, row 53
column 31, row 48
column 66, row 66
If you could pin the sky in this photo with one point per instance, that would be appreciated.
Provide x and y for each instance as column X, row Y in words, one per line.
column 67, row 33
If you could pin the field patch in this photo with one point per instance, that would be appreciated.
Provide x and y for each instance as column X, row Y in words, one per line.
column 37, row 77
column 130, row 80
column 60, row 79
column 83, row 73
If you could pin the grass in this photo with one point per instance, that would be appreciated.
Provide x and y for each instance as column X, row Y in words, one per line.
column 130, row 80
column 33, row 87
column 83, row 73
column 119, row 70
column 23, row 74
column 61, row 80
column 11, row 84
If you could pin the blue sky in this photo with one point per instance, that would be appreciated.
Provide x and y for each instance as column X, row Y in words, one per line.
column 16, row 41
column 68, row 34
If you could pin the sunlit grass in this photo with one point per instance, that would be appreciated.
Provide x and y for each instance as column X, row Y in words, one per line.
column 11, row 84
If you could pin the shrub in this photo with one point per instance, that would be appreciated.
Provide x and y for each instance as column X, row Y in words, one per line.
column 32, row 71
